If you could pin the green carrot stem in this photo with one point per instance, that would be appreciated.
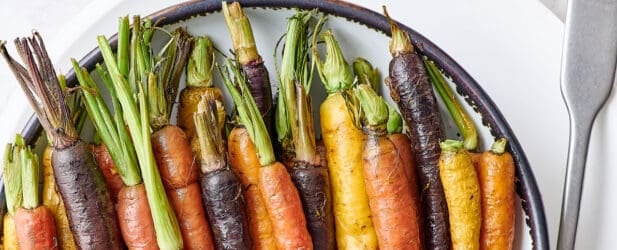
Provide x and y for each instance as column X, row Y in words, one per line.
column 248, row 112
column 306, row 147
column 111, row 130
column 165, row 222
column 29, row 165
column 241, row 33
column 395, row 121
column 335, row 72
column 366, row 74
column 374, row 108
column 12, row 177
column 459, row 115
column 499, row 146
column 124, row 44
column 400, row 42
column 451, row 145
column 209, row 134
column 201, row 63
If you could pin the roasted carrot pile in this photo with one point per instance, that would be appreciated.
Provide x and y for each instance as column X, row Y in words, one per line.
column 250, row 172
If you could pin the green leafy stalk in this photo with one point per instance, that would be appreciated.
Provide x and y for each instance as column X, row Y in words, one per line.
column 209, row 133
column 241, row 33
column 395, row 121
column 499, row 146
column 111, row 130
column 29, row 177
column 201, row 63
column 123, row 46
column 248, row 112
column 366, row 74
column 374, row 108
column 12, row 175
column 335, row 72
column 136, row 117
column 459, row 115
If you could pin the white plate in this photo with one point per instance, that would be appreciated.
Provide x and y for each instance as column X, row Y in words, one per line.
column 512, row 48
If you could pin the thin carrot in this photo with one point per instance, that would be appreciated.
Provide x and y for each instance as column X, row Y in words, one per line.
column 343, row 141
column 278, row 191
column 109, row 170
column 393, row 209
column 496, row 176
column 88, row 204
column 34, row 223
column 462, row 191
column 411, row 89
column 221, row 186
column 135, row 218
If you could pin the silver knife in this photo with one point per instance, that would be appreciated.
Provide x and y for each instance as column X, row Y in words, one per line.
column 587, row 73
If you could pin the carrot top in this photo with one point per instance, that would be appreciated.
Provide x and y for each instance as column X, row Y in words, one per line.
column 248, row 112
column 400, row 42
column 200, row 64
column 374, row 108
column 209, row 133
column 334, row 72
column 395, row 121
column 29, row 165
column 12, row 174
column 499, row 146
column 241, row 33
column 451, row 145
column 365, row 73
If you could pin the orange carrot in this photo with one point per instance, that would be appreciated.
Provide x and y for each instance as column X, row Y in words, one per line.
column 136, row 219
column 243, row 159
column 393, row 210
column 496, row 177
column 193, row 224
column 36, row 228
column 109, row 170
column 174, row 157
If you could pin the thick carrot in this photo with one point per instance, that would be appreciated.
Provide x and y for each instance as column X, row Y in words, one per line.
column 221, row 187
column 53, row 201
column 89, row 207
column 36, row 228
column 135, row 217
column 496, row 176
column 109, row 170
column 411, row 89
column 343, row 141
column 462, row 194
column 9, row 236
column 278, row 191
column 174, row 157
column 393, row 209
column 242, row 158
column 196, row 232
column 252, row 63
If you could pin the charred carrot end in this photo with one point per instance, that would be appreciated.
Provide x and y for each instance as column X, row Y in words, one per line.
column 36, row 228
column 134, row 212
column 284, row 207
column 496, row 176
column 462, row 191
column 174, row 157
column 196, row 233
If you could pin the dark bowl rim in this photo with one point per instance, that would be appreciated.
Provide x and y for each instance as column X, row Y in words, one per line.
column 475, row 96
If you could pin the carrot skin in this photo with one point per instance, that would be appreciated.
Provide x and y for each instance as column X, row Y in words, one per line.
column 189, row 98
column 35, row 228
column 321, row 148
column 9, row 236
column 261, row 90
column 186, row 201
column 284, row 207
column 222, row 196
column 243, row 159
column 53, row 201
column 86, row 198
column 496, row 177
column 135, row 218
column 109, row 170
column 390, row 200
column 411, row 89
column 174, row 157
column 313, row 183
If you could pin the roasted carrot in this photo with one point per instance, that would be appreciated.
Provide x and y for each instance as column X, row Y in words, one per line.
column 277, row 189
column 393, row 209
column 12, row 191
column 198, row 82
column 109, row 170
column 252, row 63
column 411, row 89
column 296, row 133
column 136, row 113
column 34, row 223
column 496, row 177
column 343, row 141
column 462, row 191
column 88, row 204
column 243, row 158
column 459, row 115
column 221, row 186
